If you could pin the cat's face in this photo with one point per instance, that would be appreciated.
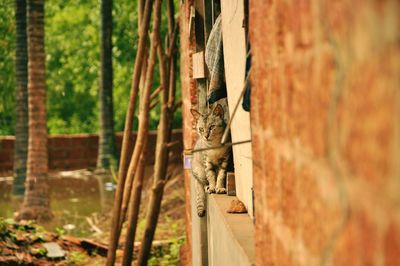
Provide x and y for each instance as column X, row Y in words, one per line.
column 210, row 127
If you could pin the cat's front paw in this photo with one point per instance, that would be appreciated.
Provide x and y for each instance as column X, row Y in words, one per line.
column 220, row 190
column 210, row 189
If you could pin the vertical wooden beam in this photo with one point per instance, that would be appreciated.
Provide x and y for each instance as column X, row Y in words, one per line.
column 202, row 28
column 200, row 47
column 208, row 19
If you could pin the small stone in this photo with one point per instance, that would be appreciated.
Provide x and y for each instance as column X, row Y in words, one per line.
column 69, row 227
column 54, row 250
column 237, row 207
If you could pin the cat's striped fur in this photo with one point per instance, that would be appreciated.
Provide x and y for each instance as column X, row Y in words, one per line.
column 209, row 166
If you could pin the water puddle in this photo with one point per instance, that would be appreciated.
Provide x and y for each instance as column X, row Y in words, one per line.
column 78, row 200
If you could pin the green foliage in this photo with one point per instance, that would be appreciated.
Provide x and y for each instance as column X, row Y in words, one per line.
column 168, row 256
column 59, row 231
column 72, row 65
column 3, row 228
column 76, row 258
column 72, row 32
column 41, row 251
column 7, row 69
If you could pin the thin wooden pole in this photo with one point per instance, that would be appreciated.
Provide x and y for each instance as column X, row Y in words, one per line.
column 129, row 180
column 161, row 163
column 142, row 132
column 127, row 138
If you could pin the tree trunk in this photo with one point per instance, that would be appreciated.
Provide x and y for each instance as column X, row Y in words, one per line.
column 163, row 138
column 141, row 140
column 160, row 171
column 107, row 152
column 127, row 139
column 21, row 126
column 129, row 183
column 36, row 203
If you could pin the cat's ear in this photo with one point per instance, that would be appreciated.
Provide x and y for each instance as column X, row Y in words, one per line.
column 195, row 113
column 218, row 111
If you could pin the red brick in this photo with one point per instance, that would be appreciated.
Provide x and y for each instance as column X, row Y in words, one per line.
column 59, row 154
column 79, row 152
column 92, row 141
column 324, row 118
column 59, row 141
column 6, row 143
column 64, row 151
column 76, row 164
column 392, row 244
column 6, row 156
column 360, row 236
column 56, row 164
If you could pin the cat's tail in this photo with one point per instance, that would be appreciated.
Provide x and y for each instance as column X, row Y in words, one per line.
column 200, row 199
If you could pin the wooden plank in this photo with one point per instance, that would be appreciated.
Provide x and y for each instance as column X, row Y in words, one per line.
column 198, row 65
column 199, row 25
column 200, row 46
column 208, row 19
column 230, row 184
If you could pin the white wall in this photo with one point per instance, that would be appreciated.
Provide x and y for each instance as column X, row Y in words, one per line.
column 235, row 62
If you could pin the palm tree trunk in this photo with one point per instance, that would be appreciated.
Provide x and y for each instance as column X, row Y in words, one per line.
column 36, row 203
column 21, row 126
column 107, row 152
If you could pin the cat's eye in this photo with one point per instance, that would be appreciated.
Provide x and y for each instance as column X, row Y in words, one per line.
column 211, row 127
column 201, row 129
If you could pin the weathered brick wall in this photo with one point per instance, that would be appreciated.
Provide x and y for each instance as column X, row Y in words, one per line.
column 6, row 153
column 189, row 100
column 325, row 120
column 68, row 152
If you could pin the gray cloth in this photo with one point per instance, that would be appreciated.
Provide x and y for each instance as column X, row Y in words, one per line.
column 214, row 58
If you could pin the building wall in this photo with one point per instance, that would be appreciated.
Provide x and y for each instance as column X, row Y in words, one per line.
column 68, row 152
column 325, row 112
column 189, row 100
column 234, row 42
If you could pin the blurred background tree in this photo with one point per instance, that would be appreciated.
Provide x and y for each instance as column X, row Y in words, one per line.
column 72, row 47
column 36, row 204
column 107, row 155
column 21, row 98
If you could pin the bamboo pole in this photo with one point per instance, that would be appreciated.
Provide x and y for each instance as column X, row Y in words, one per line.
column 127, row 138
column 161, row 163
column 155, row 93
column 129, row 180
column 142, row 133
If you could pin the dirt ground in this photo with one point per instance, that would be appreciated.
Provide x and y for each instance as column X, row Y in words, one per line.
column 28, row 250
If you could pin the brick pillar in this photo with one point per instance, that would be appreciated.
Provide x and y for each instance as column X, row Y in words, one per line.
column 325, row 112
column 189, row 99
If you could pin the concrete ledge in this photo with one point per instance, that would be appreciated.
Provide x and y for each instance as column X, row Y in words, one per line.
column 230, row 236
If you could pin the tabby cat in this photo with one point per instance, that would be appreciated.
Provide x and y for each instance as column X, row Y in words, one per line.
column 209, row 166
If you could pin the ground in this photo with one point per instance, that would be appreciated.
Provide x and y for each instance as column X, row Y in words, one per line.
column 82, row 202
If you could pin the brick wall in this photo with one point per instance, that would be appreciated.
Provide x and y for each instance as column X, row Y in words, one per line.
column 68, row 152
column 189, row 100
column 6, row 153
column 325, row 121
